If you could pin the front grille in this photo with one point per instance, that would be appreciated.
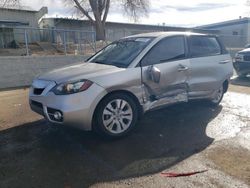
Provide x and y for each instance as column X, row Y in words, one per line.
column 38, row 91
column 247, row 58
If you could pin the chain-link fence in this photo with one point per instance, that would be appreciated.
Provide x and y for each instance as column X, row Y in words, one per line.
column 118, row 33
column 34, row 41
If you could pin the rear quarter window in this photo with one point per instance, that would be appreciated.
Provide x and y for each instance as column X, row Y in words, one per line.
column 200, row 46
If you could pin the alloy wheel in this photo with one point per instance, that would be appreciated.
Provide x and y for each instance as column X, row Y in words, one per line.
column 218, row 95
column 117, row 116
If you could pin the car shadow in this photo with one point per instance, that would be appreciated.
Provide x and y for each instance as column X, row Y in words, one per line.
column 40, row 155
column 241, row 81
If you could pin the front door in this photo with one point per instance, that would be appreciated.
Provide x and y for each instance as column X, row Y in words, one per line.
column 168, row 56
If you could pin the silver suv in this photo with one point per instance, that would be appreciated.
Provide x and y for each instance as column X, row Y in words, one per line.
column 131, row 76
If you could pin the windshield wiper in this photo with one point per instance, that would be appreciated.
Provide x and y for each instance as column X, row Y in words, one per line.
column 119, row 65
column 116, row 64
column 99, row 62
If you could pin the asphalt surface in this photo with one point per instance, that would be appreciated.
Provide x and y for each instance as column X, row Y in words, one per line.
column 180, row 138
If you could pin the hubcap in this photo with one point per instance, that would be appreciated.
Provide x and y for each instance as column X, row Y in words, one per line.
column 218, row 95
column 117, row 116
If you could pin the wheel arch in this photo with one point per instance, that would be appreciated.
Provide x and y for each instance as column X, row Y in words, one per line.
column 129, row 93
column 225, row 86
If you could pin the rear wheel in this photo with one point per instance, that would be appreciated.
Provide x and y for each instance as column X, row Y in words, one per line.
column 116, row 115
column 217, row 97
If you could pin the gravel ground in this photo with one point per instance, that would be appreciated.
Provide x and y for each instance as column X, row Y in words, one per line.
column 181, row 138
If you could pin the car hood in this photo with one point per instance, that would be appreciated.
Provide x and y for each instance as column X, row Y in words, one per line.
column 78, row 71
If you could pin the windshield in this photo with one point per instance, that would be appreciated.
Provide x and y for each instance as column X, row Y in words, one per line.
column 121, row 53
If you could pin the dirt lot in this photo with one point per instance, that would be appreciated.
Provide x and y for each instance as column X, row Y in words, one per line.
column 180, row 138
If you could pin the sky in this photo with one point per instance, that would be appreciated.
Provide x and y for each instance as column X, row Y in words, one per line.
column 186, row 13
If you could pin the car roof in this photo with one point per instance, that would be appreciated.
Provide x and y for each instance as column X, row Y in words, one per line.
column 165, row 34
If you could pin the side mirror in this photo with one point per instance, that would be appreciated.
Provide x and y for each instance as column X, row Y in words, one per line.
column 154, row 74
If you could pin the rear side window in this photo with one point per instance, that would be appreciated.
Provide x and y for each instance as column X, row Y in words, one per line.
column 203, row 46
column 168, row 49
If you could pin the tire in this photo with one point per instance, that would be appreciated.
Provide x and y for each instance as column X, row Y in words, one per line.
column 218, row 97
column 115, row 116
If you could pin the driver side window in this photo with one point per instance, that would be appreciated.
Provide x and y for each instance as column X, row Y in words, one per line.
column 168, row 49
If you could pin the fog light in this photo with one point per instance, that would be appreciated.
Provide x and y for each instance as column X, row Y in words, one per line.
column 58, row 115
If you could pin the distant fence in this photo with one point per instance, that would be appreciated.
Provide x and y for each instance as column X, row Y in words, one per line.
column 35, row 41
column 18, row 41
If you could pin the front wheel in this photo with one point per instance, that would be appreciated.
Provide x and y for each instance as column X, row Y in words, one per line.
column 217, row 97
column 116, row 115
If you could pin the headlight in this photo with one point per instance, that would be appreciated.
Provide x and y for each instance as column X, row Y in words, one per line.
column 72, row 87
column 239, row 57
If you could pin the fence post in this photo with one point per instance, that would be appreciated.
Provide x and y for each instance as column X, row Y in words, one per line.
column 93, row 33
column 79, row 41
column 64, row 42
column 94, row 40
column 26, row 42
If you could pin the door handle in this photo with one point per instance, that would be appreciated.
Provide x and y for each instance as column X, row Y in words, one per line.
column 182, row 68
column 224, row 62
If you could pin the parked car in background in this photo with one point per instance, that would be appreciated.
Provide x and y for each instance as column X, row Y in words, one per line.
column 131, row 76
column 247, row 46
column 242, row 62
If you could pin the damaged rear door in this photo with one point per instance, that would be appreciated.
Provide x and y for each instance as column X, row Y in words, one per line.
column 165, row 71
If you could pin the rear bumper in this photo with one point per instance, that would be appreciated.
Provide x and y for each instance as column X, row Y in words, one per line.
column 242, row 67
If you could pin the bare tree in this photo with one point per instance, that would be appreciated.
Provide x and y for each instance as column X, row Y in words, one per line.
column 9, row 3
column 247, row 4
column 96, row 11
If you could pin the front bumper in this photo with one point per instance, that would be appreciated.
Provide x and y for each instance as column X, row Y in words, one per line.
column 77, row 109
column 242, row 67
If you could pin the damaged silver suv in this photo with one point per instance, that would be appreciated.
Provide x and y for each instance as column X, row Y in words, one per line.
column 109, row 91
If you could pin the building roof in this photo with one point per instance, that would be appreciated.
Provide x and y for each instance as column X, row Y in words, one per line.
column 226, row 23
column 156, row 27
column 18, row 8
column 117, row 23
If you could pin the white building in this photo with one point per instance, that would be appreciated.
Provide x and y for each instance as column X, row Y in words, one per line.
column 234, row 33
column 13, row 20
